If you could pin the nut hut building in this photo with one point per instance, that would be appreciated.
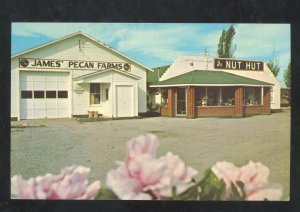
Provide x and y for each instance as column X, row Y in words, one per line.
column 197, row 86
column 73, row 75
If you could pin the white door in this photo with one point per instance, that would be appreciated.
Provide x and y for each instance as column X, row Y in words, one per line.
column 44, row 95
column 124, row 100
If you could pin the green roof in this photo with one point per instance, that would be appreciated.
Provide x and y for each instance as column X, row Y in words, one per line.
column 198, row 77
column 152, row 77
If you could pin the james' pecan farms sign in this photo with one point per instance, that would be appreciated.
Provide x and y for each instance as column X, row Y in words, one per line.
column 71, row 64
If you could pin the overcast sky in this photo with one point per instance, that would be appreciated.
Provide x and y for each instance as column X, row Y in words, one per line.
column 159, row 44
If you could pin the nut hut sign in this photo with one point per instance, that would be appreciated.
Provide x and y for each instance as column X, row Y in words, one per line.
column 238, row 65
column 71, row 64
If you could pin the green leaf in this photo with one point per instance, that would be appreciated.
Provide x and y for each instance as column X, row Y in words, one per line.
column 212, row 188
column 192, row 193
column 242, row 188
column 235, row 192
column 106, row 194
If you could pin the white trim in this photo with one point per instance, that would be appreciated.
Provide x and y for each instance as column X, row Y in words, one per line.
column 209, row 85
column 81, row 78
column 272, row 95
column 262, row 96
column 70, row 93
column 18, row 93
column 91, row 38
column 44, row 70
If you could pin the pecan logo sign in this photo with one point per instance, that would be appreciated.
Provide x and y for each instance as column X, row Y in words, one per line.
column 126, row 67
column 24, row 62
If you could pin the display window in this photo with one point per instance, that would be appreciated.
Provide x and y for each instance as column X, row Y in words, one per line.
column 214, row 96
column 252, row 96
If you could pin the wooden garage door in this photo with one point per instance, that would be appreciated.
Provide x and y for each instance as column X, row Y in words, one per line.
column 44, row 95
column 125, row 100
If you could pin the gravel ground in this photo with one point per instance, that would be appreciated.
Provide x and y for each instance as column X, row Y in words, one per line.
column 47, row 145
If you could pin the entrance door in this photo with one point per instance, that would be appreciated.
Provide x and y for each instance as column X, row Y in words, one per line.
column 124, row 100
column 180, row 101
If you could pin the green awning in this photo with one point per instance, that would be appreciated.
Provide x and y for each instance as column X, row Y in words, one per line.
column 210, row 78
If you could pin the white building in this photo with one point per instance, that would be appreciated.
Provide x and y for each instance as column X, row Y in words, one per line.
column 73, row 75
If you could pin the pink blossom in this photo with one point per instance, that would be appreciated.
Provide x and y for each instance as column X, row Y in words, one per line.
column 254, row 176
column 142, row 173
column 176, row 174
column 141, row 145
column 72, row 183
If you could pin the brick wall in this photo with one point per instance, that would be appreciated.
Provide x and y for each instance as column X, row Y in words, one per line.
column 238, row 107
column 190, row 99
column 169, row 109
column 214, row 111
column 164, row 110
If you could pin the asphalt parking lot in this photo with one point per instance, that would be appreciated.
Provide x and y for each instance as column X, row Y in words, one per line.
column 47, row 145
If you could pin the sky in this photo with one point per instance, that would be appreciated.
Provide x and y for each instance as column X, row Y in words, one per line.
column 159, row 44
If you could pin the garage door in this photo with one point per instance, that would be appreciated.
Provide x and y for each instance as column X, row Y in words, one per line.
column 125, row 100
column 44, row 95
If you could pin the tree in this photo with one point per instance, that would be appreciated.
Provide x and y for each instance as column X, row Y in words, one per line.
column 273, row 64
column 287, row 76
column 221, row 44
column 225, row 47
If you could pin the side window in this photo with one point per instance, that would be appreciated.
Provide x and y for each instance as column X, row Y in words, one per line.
column 94, row 93
column 50, row 94
column 26, row 94
column 106, row 94
column 62, row 94
column 39, row 94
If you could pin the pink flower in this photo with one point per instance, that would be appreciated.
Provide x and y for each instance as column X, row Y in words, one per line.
column 140, row 146
column 254, row 176
column 72, row 183
column 142, row 173
column 176, row 174
column 128, row 182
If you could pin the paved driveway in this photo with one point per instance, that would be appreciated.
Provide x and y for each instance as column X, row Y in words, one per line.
column 199, row 142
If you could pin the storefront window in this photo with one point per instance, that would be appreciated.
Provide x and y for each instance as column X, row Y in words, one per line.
column 94, row 93
column 214, row 96
column 252, row 96
column 164, row 96
column 228, row 96
column 200, row 96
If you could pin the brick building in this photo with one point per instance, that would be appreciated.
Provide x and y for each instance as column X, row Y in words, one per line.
column 205, row 86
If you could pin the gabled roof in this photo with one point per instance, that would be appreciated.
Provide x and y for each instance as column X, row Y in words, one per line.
column 209, row 78
column 82, row 77
column 153, row 77
column 87, row 36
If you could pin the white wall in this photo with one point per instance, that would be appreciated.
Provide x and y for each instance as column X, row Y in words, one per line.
column 81, row 102
column 14, row 91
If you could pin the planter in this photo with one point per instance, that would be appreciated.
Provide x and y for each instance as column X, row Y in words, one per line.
column 95, row 114
column 90, row 114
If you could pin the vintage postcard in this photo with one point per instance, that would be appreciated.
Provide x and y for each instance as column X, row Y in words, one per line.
column 150, row 111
